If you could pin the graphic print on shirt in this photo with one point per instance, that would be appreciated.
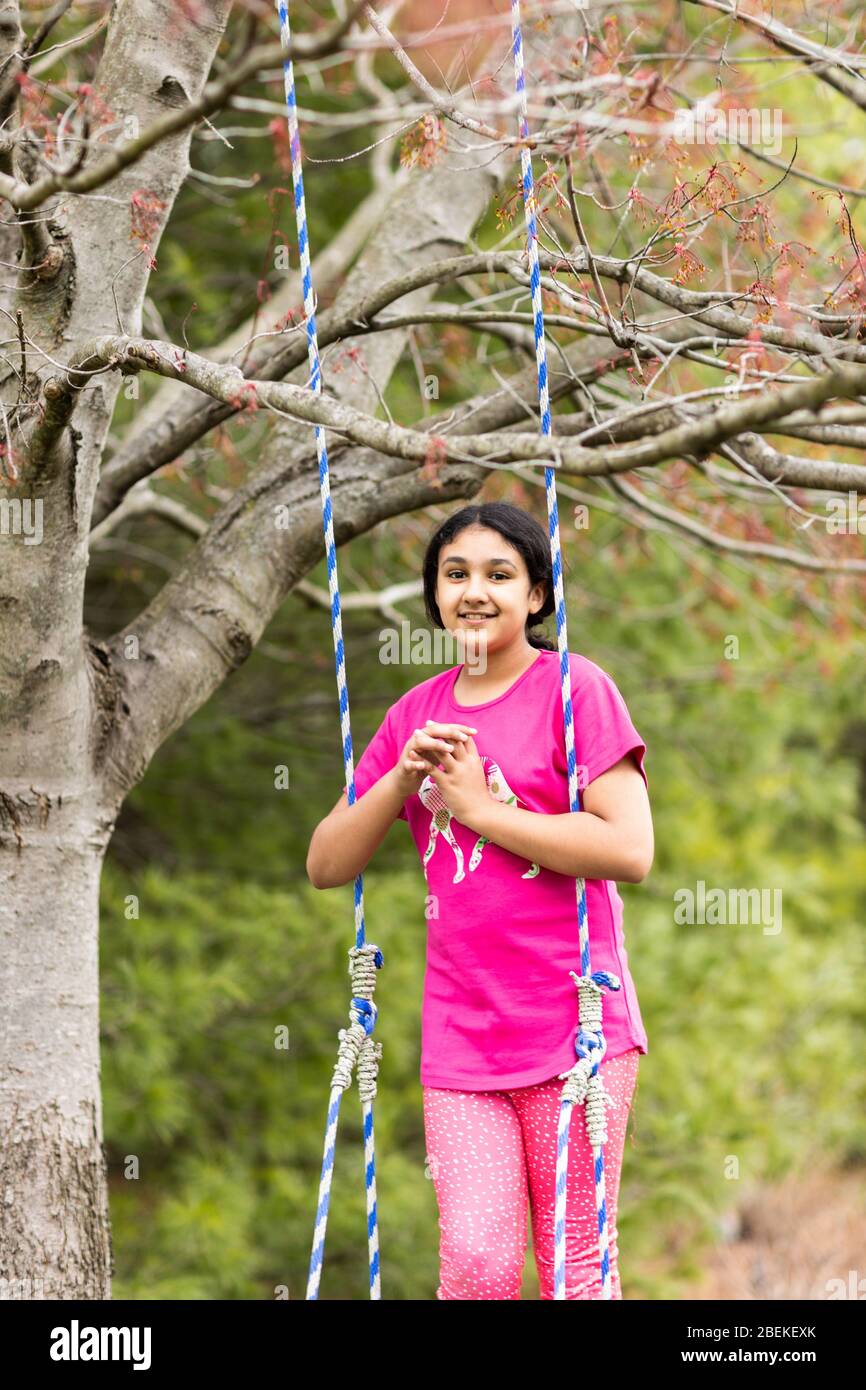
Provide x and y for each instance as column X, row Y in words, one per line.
column 440, row 819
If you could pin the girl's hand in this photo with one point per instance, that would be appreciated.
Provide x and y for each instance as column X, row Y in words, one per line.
column 462, row 782
column 425, row 749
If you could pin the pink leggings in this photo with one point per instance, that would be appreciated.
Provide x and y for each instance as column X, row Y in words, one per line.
column 489, row 1152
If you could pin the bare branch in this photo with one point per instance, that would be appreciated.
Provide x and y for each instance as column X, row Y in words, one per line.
column 848, row 189
column 796, row 471
column 729, row 544
column 26, row 196
column 142, row 500
column 226, row 383
column 829, row 64
column 176, row 418
column 156, row 444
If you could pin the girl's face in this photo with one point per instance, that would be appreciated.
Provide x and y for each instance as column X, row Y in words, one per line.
column 481, row 573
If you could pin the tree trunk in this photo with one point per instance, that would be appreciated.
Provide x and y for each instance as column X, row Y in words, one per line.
column 54, row 1230
column 58, row 697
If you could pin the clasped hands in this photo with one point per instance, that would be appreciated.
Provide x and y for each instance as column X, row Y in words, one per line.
column 448, row 755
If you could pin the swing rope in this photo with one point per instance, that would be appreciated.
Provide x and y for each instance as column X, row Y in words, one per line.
column 583, row 1082
column 357, row 1049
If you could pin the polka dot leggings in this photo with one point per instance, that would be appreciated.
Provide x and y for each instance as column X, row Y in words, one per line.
column 492, row 1152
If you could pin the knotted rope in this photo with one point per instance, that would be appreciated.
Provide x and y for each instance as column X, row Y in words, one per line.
column 357, row 1049
column 584, row 1085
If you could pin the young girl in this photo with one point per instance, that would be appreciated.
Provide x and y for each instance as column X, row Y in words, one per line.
column 474, row 760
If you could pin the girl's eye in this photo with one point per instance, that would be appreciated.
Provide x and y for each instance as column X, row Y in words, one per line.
column 498, row 574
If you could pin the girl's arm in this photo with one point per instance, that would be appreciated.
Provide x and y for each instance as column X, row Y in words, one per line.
column 346, row 840
column 610, row 837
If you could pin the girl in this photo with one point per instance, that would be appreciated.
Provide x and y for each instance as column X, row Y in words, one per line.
column 474, row 760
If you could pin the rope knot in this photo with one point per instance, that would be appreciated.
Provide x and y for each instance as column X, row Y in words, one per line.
column 368, row 1069
column 356, row 1049
column 365, row 1013
column 583, row 1083
column 364, row 961
column 351, row 1041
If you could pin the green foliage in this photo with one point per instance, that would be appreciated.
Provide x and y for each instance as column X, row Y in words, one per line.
column 226, row 1124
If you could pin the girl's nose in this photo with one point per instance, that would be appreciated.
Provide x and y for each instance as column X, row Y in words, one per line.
column 475, row 595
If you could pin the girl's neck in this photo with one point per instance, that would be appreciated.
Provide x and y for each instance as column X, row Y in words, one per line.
column 480, row 681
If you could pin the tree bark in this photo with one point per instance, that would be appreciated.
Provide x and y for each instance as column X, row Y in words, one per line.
column 54, row 1232
column 55, row 699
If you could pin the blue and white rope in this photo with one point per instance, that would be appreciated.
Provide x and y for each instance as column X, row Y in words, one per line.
column 356, row 1043
column 583, row 1083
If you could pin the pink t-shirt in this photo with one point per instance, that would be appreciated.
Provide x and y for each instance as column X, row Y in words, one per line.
column 500, row 1009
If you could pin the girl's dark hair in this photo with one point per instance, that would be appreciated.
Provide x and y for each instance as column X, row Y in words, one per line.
column 521, row 530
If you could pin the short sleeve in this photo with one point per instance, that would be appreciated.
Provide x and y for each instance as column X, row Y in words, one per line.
column 603, row 729
column 378, row 758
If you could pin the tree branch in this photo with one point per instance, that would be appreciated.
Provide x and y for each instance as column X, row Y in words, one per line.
column 730, row 545
column 154, row 445
column 26, row 196
column 793, row 470
column 227, row 384
column 175, row 418
column 828, row 64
